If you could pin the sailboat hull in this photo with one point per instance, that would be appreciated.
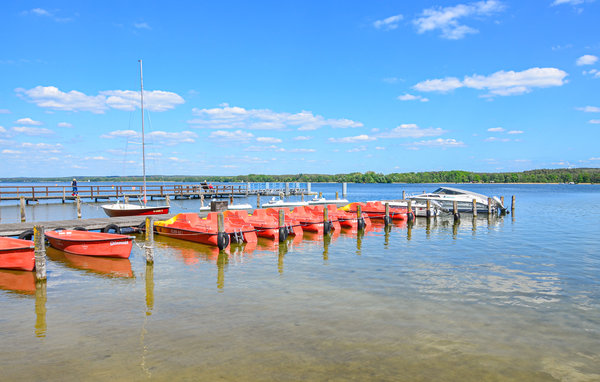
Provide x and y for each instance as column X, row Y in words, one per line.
column 114, row 210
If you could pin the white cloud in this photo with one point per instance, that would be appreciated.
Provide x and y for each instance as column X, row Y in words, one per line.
column 121, row 134
column 586, row 59
column 142, row 26
column 28, row 121
column 64, row 124
column 411, row 130
column 572, row 2
column 8, row 151
column 172, row 138
column 594, row 158
column 268, row 140
column 357, row 149
column 388, row 23
column 302, row 138
column 379, row 148
column 32, row 131
column 446, row 19
column 358, row 138
column 40, row 12
column 499, row 83
column 592, row 72
column 496, row 129
column 302, row 150
column 53, row 98
column 43, row 147
column 515, row 132
column 95, row 158
column 2, row 129
column 439, row 143
column 595, row 121
column 45, row 13
column 264, row 148
column 237, row 135
column 589, row 109
column 410, row 97
column 495, row 139
column 390, row 80
column 233, row 117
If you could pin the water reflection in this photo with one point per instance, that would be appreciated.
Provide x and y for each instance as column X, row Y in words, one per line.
column 24, row 284
column 102, row 266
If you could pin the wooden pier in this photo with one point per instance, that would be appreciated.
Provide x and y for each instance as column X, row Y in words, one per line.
column 153, row 191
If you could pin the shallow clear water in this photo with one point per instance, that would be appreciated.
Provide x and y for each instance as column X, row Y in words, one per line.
column 510, row 298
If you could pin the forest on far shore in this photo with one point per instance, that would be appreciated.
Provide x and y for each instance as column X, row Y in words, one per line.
column 575, row 175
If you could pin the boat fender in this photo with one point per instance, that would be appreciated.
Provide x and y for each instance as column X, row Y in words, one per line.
column 410, row 216
column 79, row 229
column 361, row 224
column 327, row 227
column 387, row 220
column 26, row 235
column 222, row 240
column 111, row 228
column 457, row 216
column 283, row 234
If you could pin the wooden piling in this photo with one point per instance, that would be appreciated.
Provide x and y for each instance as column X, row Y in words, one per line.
column 326, row 222
column 344, row 189
column 386, row 218
column 512, row 205
column 202, row 200
column 220, row 222
column 403, row 195
column 168, row 200
column 39, row 252
column 126, row 199
column 409, row 212
column 336, row 195
column 502, row 200
column 489, row 206
column 149, row 245
column 428, row 212
column 474, row 207
column 320, row 195
column 78, row 207
column 281, row 216
column 231, row 199
column 22, row 199
column 257, row 200
column 455, row 211
column 302, row 196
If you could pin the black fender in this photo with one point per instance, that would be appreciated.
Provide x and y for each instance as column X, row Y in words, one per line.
column 111, row 228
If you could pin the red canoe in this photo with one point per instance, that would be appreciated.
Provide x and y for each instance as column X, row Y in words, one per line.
column 91, row 243
column 16, row 254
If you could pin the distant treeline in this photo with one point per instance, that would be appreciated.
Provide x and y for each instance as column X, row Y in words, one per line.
column 577, row 175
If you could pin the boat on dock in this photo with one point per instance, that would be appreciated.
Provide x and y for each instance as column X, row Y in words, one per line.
column 323, row 201
column 189, row 226
column 91, row 243
column 231, row 207
column 446, row 196
column 16, row 254
column 279, row 203
column 128, row 209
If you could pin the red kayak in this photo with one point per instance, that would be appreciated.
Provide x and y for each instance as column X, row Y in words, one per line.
column 16, row 254
column 376, row 210
column 91, row 243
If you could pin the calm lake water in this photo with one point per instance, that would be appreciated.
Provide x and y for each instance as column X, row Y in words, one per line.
column 515, row 298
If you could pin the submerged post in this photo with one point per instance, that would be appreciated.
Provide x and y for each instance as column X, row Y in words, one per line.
column 22, row 198
column 512, row 206
column 359, row 219
column 257, row 200
column 39, row 252
column 281, row 223
column 222, row 236
column 344, row 189
column 489, row 206
column 78, row 207
column 409, row 212
column 149, row 245
column 428, row 206
column 455, row 211
column 326, row 222
column 474, row 207
column 386, row 218
column 231, row 199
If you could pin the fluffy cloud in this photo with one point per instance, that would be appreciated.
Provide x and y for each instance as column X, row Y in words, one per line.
column 495, row 139
column 411, row 130
column 410, row 97
column 572, row 2
column 52, row 98
column 587, row 59
column 302, row 138
column 358, row 138
column 515, row 132
column 142, row 26
column 32, row 131
column 438, row 143
column 268, row 140
column 592, row 72
column 121, row 134
column 64, row 124
column 238, row 135
column 14, row 152
column 164, row 137
column 303, row 150
column 388, row 23
column 28, row 121
column 43, row 147
column 595, row 121
column 45, row 13
column 233, row 117
column 496, row 129
column 446, row 19
column 2, row 129
column 589, row 109
column 499, row 83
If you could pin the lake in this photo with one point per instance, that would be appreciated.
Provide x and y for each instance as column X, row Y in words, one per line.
column 512, row 298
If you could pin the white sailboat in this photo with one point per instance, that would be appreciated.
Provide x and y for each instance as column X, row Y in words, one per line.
column 127, row 209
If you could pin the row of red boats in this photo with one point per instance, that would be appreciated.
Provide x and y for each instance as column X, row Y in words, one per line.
column 239, row 226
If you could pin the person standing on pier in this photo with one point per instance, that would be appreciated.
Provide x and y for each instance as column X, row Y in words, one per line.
column 74, row 185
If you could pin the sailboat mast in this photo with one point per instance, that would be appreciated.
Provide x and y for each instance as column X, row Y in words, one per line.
column 143, row 142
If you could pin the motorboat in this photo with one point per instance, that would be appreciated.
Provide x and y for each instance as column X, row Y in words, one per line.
column 446, row 196
column 418, row 208
column 91, row 243
column 274, row 203
column 16, row 254
column 231, row 207
column 128, row 209
column 323, row 201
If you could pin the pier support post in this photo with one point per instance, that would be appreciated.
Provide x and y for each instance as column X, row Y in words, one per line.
column 78, row 207
column 149, row 245
column 287, row 188
column 428, row 206
column 326, row 222
column 231, row 200
column 359, row 219
column 308, row 185
column 320, row 194
column 223, row 237
column 22, row 200
column 283, row 233
column 202, row 200
column 489, row 206
column 257, row 200
column 302, row 196
column 474, row 207
column 336, row 195
column 39, row 252
column 512, row 205
column 168, row 200
column 409, row 213
column 344, row 189
column 403, row 195
column 455, row 211
column 386, row 219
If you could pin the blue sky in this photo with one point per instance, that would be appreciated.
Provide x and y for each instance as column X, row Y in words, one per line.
column 281, row 87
